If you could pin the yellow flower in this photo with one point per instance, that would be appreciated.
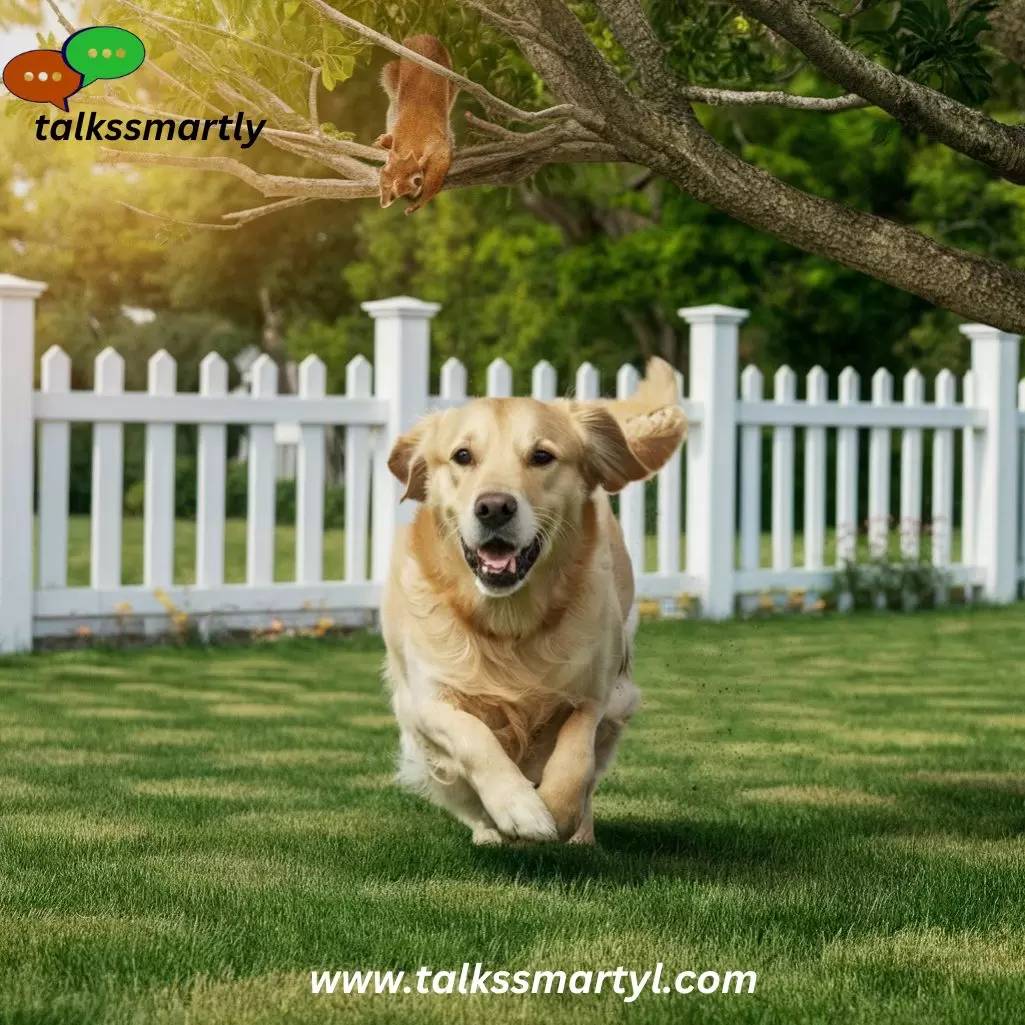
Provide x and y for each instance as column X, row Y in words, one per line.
column 741, row 25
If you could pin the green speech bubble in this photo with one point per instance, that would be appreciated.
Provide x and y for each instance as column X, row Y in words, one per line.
column 103, row 51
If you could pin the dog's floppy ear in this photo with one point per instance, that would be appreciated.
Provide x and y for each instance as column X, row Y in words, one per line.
column 654, row 437
column 606, row 451
column 408, row 461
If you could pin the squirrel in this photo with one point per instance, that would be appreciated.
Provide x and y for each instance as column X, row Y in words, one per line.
column 419, row 135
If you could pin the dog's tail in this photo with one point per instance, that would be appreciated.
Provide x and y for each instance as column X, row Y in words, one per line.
column 651, row 419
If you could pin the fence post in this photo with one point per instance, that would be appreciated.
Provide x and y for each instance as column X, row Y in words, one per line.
column 711, row 454
column 995, row 359
column 17, row 447
column 401, row 374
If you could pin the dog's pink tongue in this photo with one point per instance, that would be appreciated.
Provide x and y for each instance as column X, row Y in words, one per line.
column 497, row 562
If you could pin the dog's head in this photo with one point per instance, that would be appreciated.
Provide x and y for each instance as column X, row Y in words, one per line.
column 507, row 480
column 402, row 175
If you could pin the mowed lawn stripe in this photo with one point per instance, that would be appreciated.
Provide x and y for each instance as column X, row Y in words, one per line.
column 837, row 804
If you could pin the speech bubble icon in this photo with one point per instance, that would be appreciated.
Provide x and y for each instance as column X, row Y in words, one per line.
column 42, row 76
column 103, row 51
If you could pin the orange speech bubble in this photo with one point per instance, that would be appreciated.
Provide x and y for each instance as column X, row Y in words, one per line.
column 42, row 76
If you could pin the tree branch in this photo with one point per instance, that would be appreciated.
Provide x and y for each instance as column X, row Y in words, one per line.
column 269, row 185
column 969, row 131
column 340, row 154
column 683, row 152
column 513, row 27
column 502, row 164
column 64, row 23
column 178, row 221
column 488, row 100
column 646, row 51
column 240, row 217
column 773, row 98
column 312, row 101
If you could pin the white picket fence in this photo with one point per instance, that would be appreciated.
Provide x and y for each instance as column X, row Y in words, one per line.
column 383, row 401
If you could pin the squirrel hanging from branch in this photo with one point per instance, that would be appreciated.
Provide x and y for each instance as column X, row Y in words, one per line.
column 419, row 135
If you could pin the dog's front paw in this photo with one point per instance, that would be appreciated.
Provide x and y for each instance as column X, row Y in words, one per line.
column 522, row 815
column 486, row 836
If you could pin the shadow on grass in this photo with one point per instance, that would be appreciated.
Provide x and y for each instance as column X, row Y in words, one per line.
column 791, row 848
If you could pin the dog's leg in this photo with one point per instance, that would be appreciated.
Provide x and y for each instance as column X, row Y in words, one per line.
column 469, row 746
column 569, row 774
column 462, row 801
column 456, row 797
column 585, row 831
column 622, row 704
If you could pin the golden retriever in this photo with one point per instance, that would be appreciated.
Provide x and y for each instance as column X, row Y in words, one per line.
column 508, row 614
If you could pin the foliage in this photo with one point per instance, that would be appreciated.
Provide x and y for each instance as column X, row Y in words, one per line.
column 716, row 45
column 891, row 582
column 929, row 43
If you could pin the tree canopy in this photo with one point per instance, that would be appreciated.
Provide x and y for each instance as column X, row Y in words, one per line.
column 549, row 82
column 841, row 168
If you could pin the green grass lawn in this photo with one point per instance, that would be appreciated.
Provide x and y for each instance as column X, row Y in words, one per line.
column 836, row 804
column 334, row 550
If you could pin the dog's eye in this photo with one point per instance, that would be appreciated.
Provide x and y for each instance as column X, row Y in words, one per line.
column 541, row 457
column 462, row 457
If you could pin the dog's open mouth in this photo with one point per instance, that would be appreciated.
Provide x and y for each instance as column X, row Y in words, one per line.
column 499, row 564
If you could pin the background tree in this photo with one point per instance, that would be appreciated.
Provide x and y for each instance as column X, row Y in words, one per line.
column 621, row 82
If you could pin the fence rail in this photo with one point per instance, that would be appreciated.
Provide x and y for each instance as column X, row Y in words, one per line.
column 708, row 501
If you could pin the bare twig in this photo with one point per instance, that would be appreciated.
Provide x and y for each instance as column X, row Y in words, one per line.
column 772, row 98
column 312, row 103
column 345, row 165
column 64, row 23
column 346, row 146
column 245, row 216
column 318, row 143
column 167, row 219
column 492, row 129
column 240, row 217
column 514, row 27
column 270, row 185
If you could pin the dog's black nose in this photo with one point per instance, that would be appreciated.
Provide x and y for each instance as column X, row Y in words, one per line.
column 495, row 509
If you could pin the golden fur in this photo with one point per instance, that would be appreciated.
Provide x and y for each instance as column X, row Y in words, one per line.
column 495, row 692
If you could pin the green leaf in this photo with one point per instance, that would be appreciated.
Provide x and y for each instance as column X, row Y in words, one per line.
column 327, row 78
column 290, row 7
